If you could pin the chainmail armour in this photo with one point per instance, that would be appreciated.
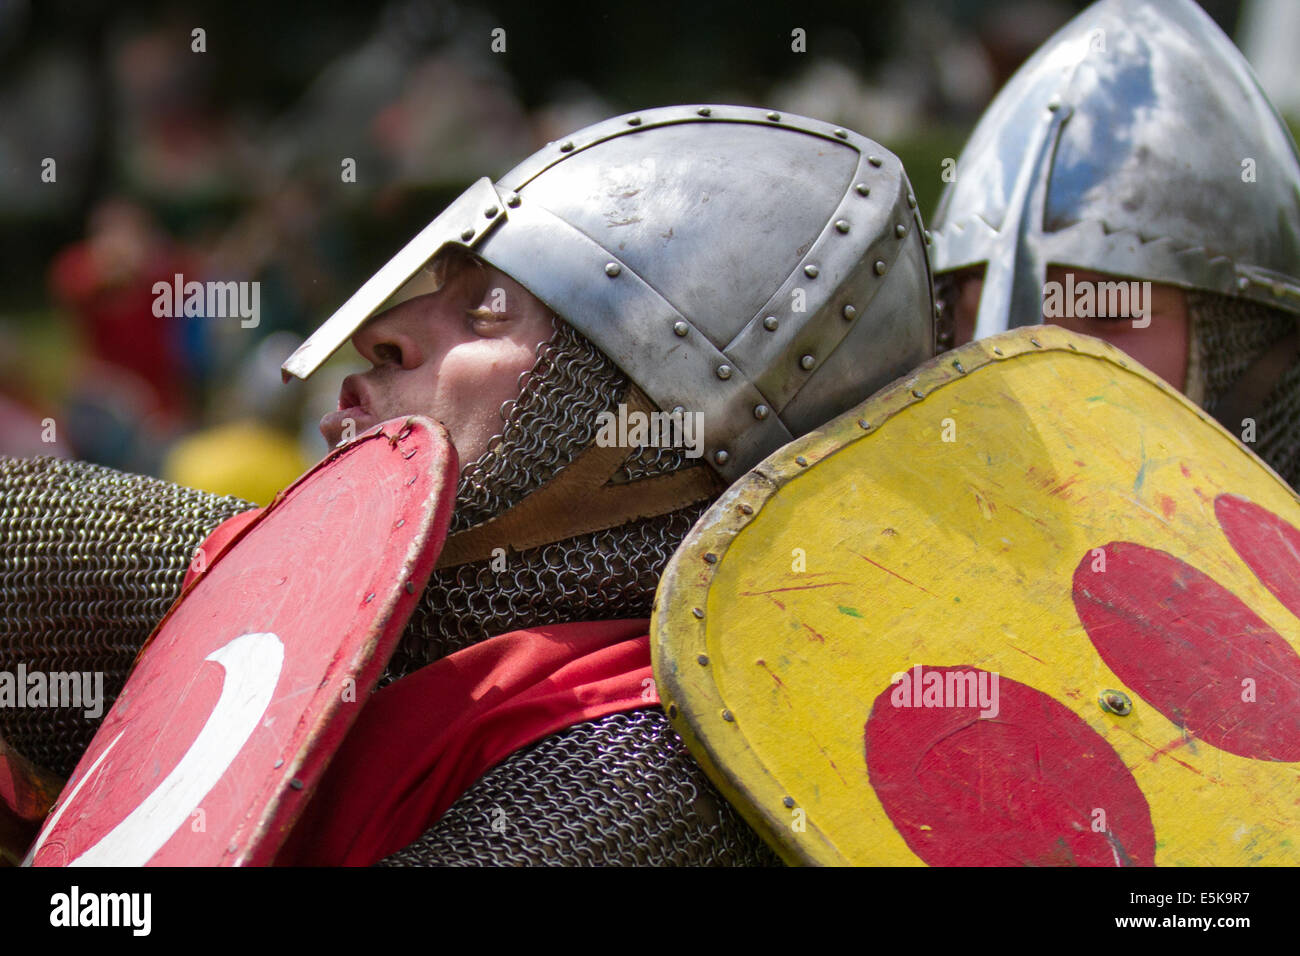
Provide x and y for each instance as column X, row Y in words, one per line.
column 621, row 789
column 90, row 560
column 1230, row 334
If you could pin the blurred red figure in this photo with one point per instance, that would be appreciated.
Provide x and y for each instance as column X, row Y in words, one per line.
column 107, row 280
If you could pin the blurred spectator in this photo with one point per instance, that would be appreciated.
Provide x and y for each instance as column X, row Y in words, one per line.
column 106, row 282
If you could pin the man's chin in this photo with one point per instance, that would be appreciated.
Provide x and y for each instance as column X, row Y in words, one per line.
column 345, row 424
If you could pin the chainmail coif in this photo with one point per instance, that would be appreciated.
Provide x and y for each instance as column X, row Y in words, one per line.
column 1230, row 334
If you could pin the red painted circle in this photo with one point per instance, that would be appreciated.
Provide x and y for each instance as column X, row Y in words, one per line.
column 1268, row 545
column 1022, row 788
column 1188, row 646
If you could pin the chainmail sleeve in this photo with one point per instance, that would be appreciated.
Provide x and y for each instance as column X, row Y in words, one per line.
column 90, row 560
column 620, row 790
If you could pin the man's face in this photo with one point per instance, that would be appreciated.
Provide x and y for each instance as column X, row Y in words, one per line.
column 454, row 355
column 1160, row 346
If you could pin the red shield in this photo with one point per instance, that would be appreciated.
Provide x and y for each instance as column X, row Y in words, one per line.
column 251, row 680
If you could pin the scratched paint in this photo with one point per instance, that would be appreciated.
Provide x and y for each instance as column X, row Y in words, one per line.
column 252, row 664
column 1269, row 545
column 1188, row 645
column 1035, row 787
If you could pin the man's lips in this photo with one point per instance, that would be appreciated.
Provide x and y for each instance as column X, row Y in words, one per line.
column 333, row 423
column 353, row 406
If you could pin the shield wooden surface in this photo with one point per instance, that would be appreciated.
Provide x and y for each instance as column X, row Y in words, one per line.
column 1026, row 606
column 249, row 683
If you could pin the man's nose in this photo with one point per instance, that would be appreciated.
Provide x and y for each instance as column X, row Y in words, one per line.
column 390, row 339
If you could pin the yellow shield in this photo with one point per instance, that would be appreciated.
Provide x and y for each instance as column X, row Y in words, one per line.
column 1027, row 606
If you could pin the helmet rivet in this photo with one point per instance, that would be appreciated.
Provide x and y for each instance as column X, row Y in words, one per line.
column 911, row 201
column 842, row 225
column 842, row 134
column 1054, row 104
column 704, row 111
column 513, row 201
column 849, row 312
column 567, row 146
column 634, row 121
column 681, row 328
column 761, row 412
column 900, row 230
column 720, row 456
column 810, row 271
column 770, row 323
column 724, row 372
column 807, row 362
column 1243, row 283
column 490, row 211
column 875, row 161
column 612, row 269
column 928, row 238
column 774, row 117
column 880, row 267
column 466, row 235
column 863, row 189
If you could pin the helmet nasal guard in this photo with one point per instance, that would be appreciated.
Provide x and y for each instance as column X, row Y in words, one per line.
column 1135, row 142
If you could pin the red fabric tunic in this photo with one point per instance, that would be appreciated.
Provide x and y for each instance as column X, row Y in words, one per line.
column 421, row 741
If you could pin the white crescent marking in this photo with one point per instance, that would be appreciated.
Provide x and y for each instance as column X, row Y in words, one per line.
column 252, row 663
